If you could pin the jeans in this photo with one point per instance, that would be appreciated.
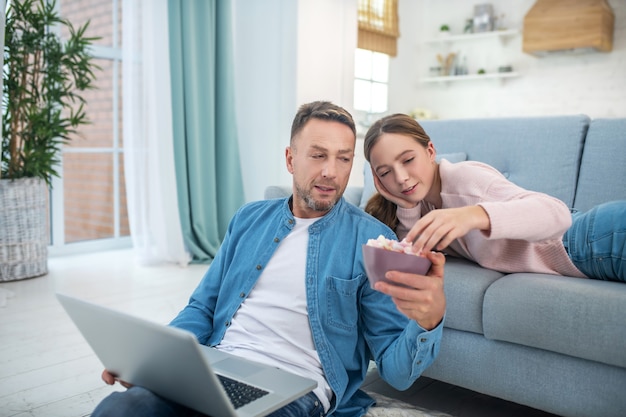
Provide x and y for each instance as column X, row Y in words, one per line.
column 138, row 401
column 596, row 241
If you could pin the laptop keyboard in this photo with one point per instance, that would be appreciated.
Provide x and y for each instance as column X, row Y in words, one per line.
column 240, row 393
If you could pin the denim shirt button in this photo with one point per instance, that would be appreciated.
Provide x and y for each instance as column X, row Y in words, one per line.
column 423, row 340
column 258, row 267
column 226, row 323
column 418, row 362
column 242, row 294
column 276, row 240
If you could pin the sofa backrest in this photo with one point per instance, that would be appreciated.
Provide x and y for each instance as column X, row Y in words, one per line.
column 537, row 153
column 602, row 174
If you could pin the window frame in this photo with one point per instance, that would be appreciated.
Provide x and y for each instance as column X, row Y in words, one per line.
column 366, row 117
column 58, row 245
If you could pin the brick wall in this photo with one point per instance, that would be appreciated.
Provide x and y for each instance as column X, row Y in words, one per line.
column 92, row 156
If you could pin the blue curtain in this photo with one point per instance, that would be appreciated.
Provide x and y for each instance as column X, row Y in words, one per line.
column 208, row 172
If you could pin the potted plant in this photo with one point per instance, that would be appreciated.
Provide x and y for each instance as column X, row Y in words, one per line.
column 42, row 107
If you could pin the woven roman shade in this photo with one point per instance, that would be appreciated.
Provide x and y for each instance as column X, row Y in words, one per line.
column 378, row 26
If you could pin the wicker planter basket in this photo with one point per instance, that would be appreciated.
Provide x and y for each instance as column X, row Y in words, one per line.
column 23, row 229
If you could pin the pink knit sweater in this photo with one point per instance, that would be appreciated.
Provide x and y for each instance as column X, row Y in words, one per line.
column 526, row 226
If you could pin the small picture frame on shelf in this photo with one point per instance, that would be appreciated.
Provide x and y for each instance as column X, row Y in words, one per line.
column 483, row 18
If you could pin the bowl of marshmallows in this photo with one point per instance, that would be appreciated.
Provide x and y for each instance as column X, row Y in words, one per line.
column 381, row 255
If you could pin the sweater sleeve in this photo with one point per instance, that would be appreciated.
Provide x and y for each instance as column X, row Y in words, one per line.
column 406, row 219
column 514, row 212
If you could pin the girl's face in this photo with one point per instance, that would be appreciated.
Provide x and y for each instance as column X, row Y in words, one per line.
column 403, row 166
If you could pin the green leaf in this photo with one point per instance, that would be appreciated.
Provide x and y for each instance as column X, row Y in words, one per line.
column 43, row 79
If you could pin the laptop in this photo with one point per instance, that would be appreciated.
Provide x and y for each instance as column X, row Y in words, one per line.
column 171, row 363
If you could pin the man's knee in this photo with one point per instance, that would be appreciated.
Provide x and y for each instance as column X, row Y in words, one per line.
column 135, row 401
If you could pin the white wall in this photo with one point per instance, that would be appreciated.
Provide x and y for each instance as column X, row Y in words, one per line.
column 290, row 52
column 265, row 45
column 327, row 38
column 286, row 53
column 593, row 83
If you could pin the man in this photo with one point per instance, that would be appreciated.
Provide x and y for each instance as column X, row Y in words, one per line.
column 288, row 288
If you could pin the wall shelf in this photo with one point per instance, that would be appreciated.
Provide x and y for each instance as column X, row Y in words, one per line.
column 471, row 77
column 501, row 34
column 482, row 38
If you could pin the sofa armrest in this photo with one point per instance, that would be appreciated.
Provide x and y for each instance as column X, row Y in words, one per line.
column 277, row 191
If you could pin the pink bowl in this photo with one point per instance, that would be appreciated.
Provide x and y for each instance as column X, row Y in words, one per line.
column 378, row 261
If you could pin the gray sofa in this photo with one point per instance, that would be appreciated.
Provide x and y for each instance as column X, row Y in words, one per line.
column 553, row 343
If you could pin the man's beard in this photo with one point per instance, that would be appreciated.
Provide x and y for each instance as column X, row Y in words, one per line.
column 322, row 206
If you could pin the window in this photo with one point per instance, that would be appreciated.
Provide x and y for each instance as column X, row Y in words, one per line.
column 371, row 75
column 377, row 42
column 88, row 201
column 378, row 26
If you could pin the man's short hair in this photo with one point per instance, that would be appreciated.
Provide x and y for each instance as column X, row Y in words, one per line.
column 324, row 110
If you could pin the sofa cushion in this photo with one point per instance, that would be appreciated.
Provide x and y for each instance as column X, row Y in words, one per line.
column 453, row 157
column 537, row 153
column 276, row 191
column 560, row 384
column 574, row 316
column 368, row 182
column 465, row 285
column 602, row 168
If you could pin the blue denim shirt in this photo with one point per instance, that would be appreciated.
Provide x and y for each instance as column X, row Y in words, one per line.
column 350, row 322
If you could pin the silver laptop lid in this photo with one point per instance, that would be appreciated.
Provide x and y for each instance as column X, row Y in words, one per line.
column 170, row 362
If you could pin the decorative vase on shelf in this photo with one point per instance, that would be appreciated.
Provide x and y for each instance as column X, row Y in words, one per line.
column 444, row 31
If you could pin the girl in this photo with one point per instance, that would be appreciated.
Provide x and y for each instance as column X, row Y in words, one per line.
column 471, row 210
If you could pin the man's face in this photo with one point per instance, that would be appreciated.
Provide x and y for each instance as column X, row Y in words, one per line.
column 320, row 160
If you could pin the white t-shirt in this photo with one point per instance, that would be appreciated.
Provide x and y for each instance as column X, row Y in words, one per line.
column 272, row 324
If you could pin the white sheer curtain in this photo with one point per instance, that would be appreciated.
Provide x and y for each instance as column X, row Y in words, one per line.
column 148, row 149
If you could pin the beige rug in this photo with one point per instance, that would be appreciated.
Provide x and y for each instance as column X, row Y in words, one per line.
column 389, row 407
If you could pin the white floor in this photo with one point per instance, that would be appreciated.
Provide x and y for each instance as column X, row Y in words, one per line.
column 46, row 368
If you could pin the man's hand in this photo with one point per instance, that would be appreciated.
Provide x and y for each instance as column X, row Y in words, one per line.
column 424, row 301
column 111, row 379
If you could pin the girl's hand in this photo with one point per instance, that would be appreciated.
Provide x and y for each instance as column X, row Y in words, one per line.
column 437, row 229
column 400, row 202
